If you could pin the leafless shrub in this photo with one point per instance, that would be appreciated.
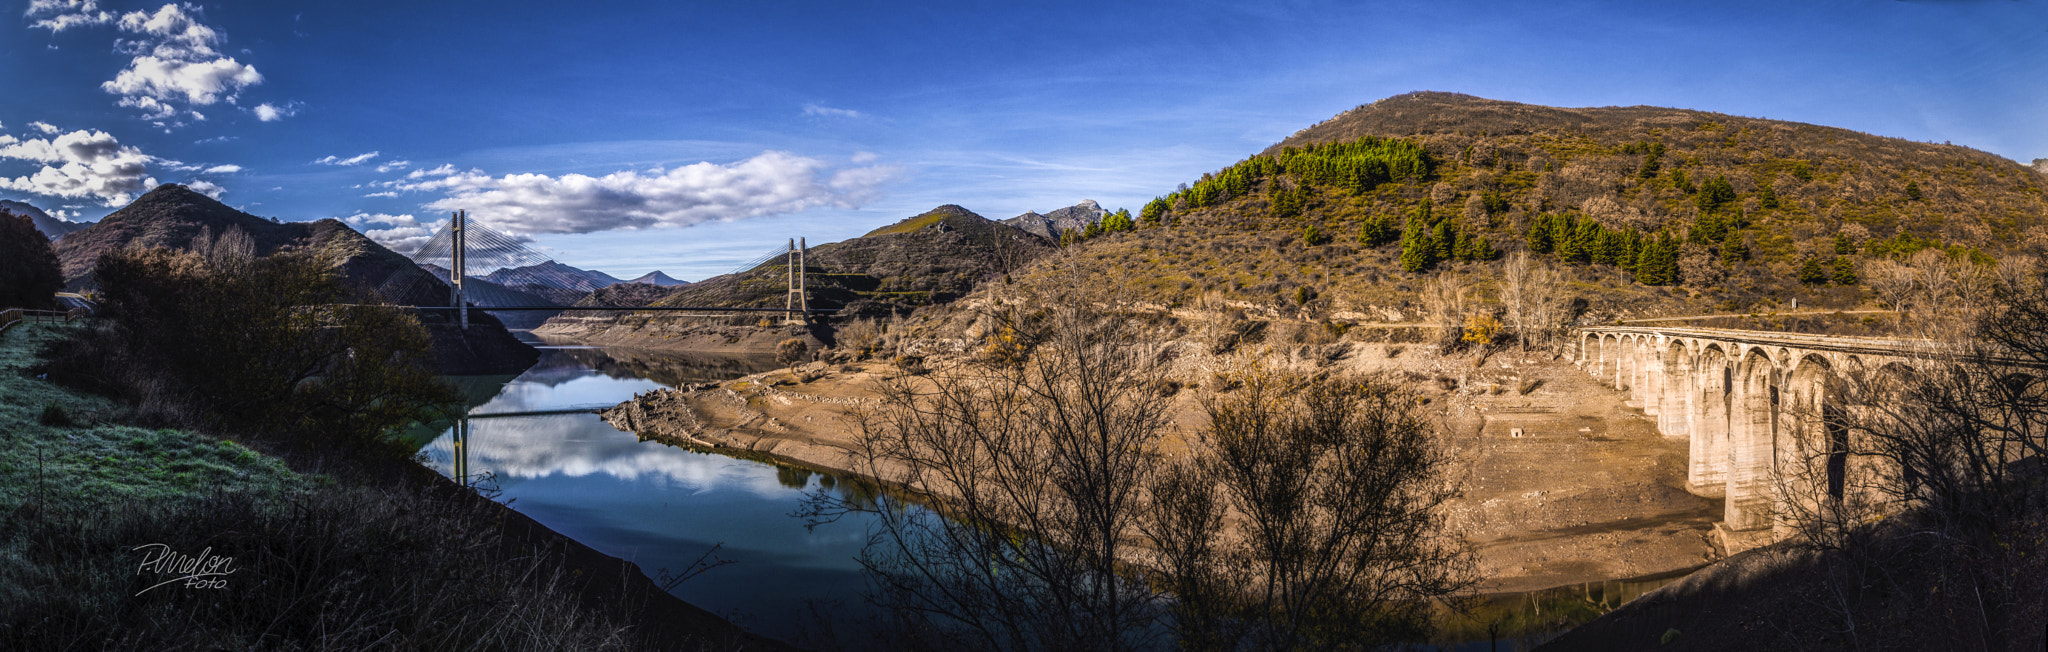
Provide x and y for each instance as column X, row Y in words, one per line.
column 1339, row 482
column 1919, row 488
column 1040, row 470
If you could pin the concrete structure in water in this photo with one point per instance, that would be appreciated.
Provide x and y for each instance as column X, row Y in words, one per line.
column 1764, row 419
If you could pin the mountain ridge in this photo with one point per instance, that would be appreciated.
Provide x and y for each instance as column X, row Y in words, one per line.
column 175, row 217
column 52, row 227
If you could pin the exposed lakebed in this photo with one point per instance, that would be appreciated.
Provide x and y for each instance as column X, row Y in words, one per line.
column 663, row 507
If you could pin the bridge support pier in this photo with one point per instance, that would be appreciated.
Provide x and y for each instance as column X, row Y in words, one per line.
column 1765, row 436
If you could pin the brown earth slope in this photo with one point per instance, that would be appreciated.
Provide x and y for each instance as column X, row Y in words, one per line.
column 1492, row 168
column 929, row 259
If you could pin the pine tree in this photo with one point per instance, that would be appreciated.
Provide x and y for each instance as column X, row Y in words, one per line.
column 1733, row 249
column 1570, row 249
column 1679, row 181
column 1913, row 190
column 1766, row 197
column 1664, row 260
column 1463, row 249
column 1811, row 272
column 1714, row 194
column 1416, row 249
column 1539, row 235
column 1843, row 246
column 1154, row 211
column 1118, row 221
column 1446, row 241
column 1845, row 271
column 1287, row 202
column 1377, row 230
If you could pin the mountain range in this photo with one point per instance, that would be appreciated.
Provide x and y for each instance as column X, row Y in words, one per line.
column 552, row 274
column 1048, row 226
column 175, row 217
column 52, row 228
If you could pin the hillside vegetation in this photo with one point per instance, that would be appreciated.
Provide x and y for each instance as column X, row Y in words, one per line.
column 1651, row 211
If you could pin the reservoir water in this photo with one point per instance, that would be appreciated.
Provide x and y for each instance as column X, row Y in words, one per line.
column 664, row 507
column 658, row 506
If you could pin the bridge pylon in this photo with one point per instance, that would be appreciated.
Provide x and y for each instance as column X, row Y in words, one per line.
column 797, row 300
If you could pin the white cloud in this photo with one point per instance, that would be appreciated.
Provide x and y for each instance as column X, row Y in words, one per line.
column 60, row 15
column 442, row 171
column 169, row 33
column 224, row 169
column 401, row 233
column 358, row 159
column 207, row 188
column 45, row 127
column 267, row 112
column 174, row 63
column 829, row 112
column 386, row 193
column 860, row 158
column 80, row 164
column 388, row 166
column 195, row 82
column 769, row 184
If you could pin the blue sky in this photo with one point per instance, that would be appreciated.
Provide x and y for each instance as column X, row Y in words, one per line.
column 688, row 136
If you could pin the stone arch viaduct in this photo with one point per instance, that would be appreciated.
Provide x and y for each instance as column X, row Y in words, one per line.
column 1750, row 402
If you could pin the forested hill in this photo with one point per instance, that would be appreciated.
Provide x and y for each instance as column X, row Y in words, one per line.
column 1652, row 209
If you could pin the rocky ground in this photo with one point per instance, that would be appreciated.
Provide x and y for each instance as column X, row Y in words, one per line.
column 1564, row 483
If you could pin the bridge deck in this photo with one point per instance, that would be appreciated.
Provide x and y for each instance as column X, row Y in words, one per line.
column 627, row 308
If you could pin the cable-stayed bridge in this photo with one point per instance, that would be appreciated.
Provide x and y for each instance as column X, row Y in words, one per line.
column 485, row 269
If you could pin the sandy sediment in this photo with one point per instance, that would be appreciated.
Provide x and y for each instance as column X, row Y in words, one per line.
column 704, row 336
column 1564, row 484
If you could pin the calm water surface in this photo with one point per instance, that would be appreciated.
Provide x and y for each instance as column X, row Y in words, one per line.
column 653, row 504
column 662, row 507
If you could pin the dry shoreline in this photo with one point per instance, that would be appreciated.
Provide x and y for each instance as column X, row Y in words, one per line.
column 1564, row 485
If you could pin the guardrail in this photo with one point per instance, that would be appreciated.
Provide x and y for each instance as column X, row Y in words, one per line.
column 12, row 316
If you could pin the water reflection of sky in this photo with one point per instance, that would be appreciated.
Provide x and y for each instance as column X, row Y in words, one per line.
column 660, row 506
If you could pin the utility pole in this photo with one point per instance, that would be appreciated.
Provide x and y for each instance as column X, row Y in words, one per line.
column 459, row 260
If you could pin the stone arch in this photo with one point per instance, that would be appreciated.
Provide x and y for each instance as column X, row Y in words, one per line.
column 1711, row 398
column 1753, row 444
column 1813, row 443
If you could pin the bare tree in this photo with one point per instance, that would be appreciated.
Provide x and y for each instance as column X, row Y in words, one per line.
column 1530, row 290
column 1918, row 485
column 1336, row 485
column 1037, row 463
column 1448, row 299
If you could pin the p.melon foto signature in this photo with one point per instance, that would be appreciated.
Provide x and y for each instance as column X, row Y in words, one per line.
column 205, row 571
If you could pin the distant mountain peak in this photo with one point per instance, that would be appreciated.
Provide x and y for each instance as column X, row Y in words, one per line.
column 1049, row 225
column 552, row 274
column 657, row 278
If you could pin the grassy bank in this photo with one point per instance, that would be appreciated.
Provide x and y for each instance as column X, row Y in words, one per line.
column 311, row 552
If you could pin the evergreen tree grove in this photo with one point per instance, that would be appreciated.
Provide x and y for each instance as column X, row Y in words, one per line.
column 1417, row 252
